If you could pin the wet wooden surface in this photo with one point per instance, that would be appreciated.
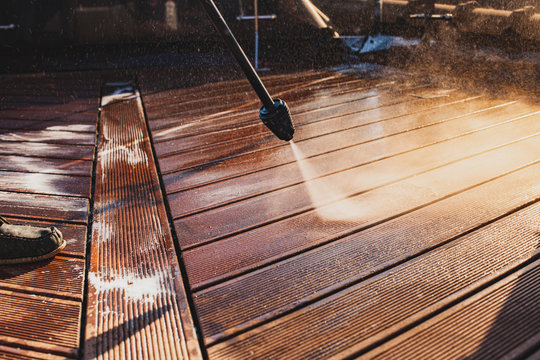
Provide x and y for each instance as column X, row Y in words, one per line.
column 404, row 216
column 47, row 137
column 403, row 201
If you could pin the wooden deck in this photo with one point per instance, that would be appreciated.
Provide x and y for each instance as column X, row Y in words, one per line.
column 401, row 222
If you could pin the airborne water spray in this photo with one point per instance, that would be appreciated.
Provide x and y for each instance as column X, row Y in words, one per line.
column 326, row 193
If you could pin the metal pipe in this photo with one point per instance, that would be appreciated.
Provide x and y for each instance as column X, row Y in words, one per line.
column 274, row 114
column 256, row 14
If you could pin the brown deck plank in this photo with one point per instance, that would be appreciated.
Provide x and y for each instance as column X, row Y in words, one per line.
column 46, row 206
column 236, row 254
column 46, row 165
column 137, row 305
column 51, row 125
column 242, row 96
column 191, row 230
column 51, row 184
column 350, row 101
column 307, row 126
column 12, row 353
column 58, row 137
column 86, row 115
column 67, row 278
column 436, row 191
column 184, row 158
column 40, row 323
column 47, row 140
column 308, row 133
column 233, row 115
column 242, row 89
column 57, row 151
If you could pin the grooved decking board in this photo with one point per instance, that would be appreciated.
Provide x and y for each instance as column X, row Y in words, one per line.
column 223, row 159
column 319, row 272
column 43, row 165
column 63, row 277
column 354, row 102
column 500, row 321
column 165, row 111
column 225, row 101
column 58, row 151
column 344, row 150
column 242, row 120
column 51, row 207
column 40, row 323
column 52, row 184
column 349, row 321
column 50, row 125
column 137, row 305
column 12, row 353
column 47, row 136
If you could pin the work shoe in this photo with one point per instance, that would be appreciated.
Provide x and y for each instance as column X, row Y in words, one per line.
column 24, row 243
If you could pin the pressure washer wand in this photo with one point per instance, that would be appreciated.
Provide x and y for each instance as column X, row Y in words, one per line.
column 274, row 113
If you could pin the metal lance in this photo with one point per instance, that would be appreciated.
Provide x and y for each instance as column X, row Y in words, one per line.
column 274, row 113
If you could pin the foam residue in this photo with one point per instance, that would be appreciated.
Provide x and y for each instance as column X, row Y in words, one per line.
column 134, row 286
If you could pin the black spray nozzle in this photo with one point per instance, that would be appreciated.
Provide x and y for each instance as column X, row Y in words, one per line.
column 278, row 120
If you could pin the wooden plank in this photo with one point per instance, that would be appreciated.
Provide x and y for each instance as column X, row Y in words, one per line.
column 236, row 97
column 256, row 130
column 314, row 139
column 266, row 140
column 348, row 158
column 156, row 101
column 137, row 305
column 12, row 353
column 46, row 165
column 346, row 102
column 51, row 125
column 85, row 115
column 39, row 323
column 44, row 207
column 57, row 151
column 46, row 136
column 237, row 119
column 60, row 277
column 50, row 184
